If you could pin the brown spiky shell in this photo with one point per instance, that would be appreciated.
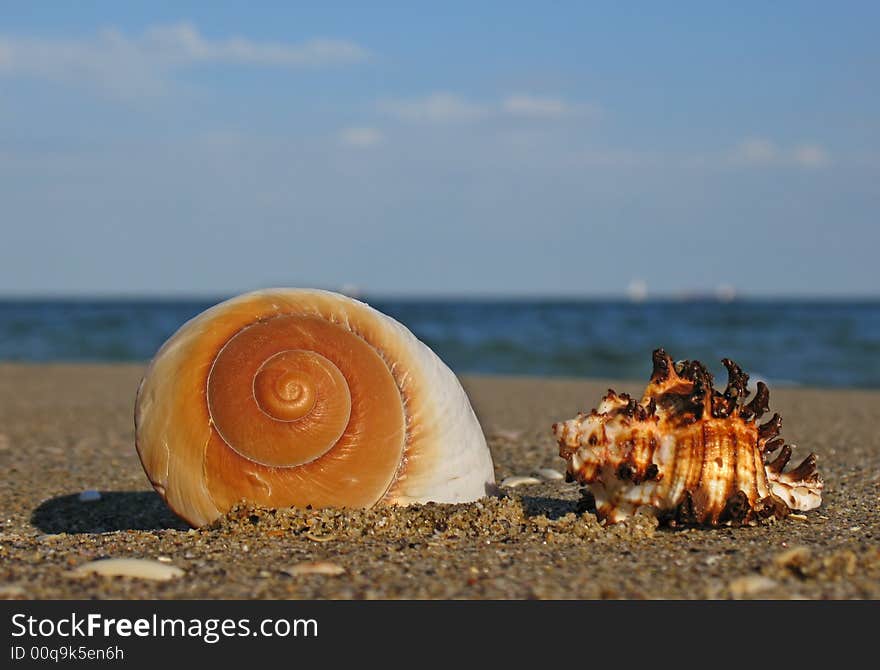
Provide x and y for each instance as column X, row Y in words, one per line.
column 686, row 452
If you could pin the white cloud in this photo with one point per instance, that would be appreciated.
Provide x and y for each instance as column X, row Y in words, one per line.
column 542, row 108
column 134, row 64
column 810, row 155
column 359, row 137
column 758, row 151
column 182, row 43
column 444, row 107
column 434, row 108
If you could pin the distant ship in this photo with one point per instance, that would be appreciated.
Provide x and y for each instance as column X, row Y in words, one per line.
column 725, row 293
column 722, row 293
column 637, row 291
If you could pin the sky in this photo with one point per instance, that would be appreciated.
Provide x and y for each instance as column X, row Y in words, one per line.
column 457, row 149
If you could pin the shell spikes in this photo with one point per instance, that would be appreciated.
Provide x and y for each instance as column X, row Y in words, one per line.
column 298, row 397
column 686, row 452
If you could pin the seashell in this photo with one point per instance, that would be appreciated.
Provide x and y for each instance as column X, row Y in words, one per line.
column 298, row 397
column 314, row 568
column 519, row 480
column 686, row 452
column 12, row 592
column 750, row 585
column 549, row 474
column 139, row 568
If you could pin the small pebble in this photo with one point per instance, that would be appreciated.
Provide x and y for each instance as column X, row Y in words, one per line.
column 519, row 480
column 750, row 585
column 798, row 517
column 89, row 496
column 549, row 474
column 795, row 557
column 163, row 559
column 316, row 568
column 139, row 568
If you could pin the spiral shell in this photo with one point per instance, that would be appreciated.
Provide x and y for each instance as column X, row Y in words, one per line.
column 686, row 452
column 296, row 397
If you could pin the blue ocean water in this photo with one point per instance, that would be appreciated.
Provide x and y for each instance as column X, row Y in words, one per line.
column 818, row 343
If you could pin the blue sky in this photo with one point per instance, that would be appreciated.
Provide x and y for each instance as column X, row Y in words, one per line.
column 505, row 149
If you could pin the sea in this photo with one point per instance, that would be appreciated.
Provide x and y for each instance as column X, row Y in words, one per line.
column 826, row 343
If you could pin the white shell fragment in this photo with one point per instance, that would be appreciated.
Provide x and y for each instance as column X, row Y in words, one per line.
column 750, row 585
column 12, row 592
column 89, row 495
column 549, row 474
column 139, row 568
column 519, row 480
column 314, row 568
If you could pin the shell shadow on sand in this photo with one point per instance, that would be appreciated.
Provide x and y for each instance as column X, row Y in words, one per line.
column 552, row 508
column 114, row 511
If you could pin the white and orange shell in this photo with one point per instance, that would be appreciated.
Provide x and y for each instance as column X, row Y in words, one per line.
column 686, row 452
column 297, row 397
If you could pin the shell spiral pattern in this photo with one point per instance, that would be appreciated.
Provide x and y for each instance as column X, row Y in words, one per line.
column 686, row 452
column 296, row 397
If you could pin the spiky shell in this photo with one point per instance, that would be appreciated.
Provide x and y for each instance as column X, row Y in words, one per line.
column 686, row 452
column 296, row 397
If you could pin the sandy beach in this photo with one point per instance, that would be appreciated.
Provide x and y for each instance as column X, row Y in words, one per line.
column 65, row 429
